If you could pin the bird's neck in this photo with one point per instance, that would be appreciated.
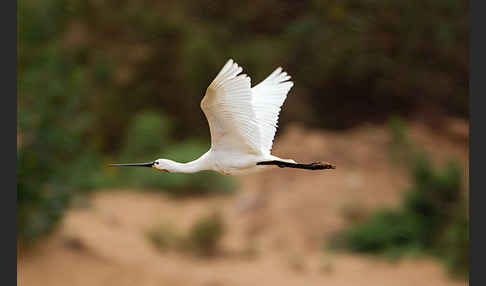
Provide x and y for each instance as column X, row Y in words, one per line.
column 195, row 166
column 188, row 168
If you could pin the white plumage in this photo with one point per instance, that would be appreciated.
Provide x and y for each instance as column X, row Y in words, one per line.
column 268, row 96
column 242, row 121
column 241, row 117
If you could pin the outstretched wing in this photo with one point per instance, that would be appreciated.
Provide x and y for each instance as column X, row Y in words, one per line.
column 228, row 109
column 268, row 97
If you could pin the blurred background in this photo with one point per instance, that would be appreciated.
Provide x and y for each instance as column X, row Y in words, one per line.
column 381, row 91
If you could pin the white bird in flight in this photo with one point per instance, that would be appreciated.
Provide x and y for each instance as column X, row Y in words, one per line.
column 242, row 121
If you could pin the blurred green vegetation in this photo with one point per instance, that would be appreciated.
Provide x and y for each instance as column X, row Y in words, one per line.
column 206, row 233
column 164, row 237
column 202, row 239
column 433, row 217
column 121, row 81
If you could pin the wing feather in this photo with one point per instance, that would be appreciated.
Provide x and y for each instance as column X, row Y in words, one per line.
column 227, row 105
column 268, row 98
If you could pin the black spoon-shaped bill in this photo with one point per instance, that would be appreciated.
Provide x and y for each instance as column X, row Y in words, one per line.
column 133, row 165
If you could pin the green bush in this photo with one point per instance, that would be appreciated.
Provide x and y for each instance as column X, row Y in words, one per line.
column 202, row 239
column 164, row 237
column 41, row 199
column 432, row 219
column 205, row 235
column 386, row 230
column 455, row 243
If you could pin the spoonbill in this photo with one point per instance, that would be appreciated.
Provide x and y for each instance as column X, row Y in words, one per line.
column 242, row 122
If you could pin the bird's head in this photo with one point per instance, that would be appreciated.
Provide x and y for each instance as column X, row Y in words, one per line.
column 163, row 165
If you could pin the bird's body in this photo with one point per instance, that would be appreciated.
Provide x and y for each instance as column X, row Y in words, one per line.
column 224, row 162
column 242, row 121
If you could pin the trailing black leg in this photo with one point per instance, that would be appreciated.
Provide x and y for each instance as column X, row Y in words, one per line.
column 311, row 166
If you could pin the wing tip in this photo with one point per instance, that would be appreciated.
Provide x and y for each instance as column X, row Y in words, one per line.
column 278, row 76
column 230, row 70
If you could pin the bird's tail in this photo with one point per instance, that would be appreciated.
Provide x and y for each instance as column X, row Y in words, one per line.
column 287, row 164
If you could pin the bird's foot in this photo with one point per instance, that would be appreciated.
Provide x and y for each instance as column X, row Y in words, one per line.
column 324, row 165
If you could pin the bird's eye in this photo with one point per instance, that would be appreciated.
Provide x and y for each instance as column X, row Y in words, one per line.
column 156, row 163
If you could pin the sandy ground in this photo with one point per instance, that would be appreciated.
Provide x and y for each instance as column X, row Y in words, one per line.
column 276, row 223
